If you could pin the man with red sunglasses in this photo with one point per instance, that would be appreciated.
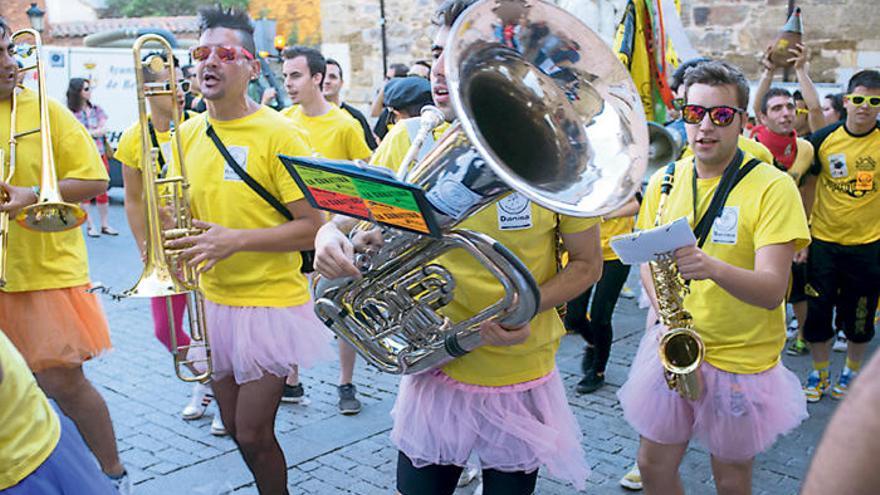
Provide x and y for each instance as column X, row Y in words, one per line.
column 258, row 313
column 844, row 259
column 738, row 274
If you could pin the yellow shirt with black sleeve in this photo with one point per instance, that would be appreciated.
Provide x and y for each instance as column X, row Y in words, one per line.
column 476, row 288
column 611, row 228
column 218, row 195
column 29, row 428
column 39, row 261
column 336, row 135
column 847, row 207
column 739, row 337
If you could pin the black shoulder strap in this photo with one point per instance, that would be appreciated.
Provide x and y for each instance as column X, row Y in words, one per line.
column 253, row 184
column 718, row 200
column 155, row 140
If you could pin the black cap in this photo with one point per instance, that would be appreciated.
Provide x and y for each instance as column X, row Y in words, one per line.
column 402, row 92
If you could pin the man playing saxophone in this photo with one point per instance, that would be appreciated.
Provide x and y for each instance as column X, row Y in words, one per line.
column 45, row 308
column 737, row 283
column 504, row 401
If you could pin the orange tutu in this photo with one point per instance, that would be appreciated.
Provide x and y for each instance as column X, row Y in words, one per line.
column 56, row 327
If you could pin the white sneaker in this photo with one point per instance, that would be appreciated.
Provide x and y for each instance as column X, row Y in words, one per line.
column 632, row 480
column 791, row 331
column 199, row 401
column 468, row 475
column 122, row 484
column 839, row 343
column 217, row 427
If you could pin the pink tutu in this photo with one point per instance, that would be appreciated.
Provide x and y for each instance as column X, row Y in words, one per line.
column 438, row 420
column 738, row 416
column 249, row 341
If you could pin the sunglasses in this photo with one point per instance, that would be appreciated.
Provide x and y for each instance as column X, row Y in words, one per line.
column 227, row 54
column 801, row 111
column 722, row 115
column 859, row 100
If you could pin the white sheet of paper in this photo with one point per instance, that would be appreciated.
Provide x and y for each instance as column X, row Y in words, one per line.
column 644, row 246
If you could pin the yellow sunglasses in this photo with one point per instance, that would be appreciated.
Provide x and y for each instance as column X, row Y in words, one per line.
column 859, row 100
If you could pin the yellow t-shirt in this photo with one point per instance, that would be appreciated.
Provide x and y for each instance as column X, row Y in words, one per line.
column 476, row 288
column 219, row 196
column 802, row 161
column 38, row 261
column 29, row 428
column 847, row 207
column 611, row 228
column 335, row 135
column 739, row 337
column 750, row 146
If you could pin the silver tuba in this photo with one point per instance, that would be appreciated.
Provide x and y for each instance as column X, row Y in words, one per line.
column 543, row 108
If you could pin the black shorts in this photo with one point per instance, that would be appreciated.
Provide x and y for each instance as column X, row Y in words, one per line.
column 847, row 277
column 798, row 283
column 438, row 479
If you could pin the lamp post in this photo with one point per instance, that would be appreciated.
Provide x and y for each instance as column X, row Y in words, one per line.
column 35, row 15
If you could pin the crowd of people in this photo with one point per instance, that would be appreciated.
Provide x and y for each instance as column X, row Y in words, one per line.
column 786, row 215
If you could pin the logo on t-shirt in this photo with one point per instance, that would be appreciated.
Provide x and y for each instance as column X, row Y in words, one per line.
column 514, row 212
column 725, row 226
column 837, row 165
column 866, row 163
column 240, row 155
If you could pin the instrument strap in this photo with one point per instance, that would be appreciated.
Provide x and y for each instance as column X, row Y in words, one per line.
column 250, row 181
column 731, row 177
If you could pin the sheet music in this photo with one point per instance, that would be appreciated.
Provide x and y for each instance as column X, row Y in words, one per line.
column 644, row 246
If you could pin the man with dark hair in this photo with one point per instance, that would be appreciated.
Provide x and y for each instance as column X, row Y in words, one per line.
column 740, row 266
column 332, row 87
column 503, row 401
column 793, row 155
column 420, row 68
column 51, row 270
column 258, row 312
column 844, row 259
column 808, row 110
column 334, row 135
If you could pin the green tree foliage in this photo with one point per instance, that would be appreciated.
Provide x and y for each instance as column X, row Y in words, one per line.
column 151, row 8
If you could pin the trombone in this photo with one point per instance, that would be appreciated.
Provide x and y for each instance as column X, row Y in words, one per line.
column 50, row 213
column 165, row 274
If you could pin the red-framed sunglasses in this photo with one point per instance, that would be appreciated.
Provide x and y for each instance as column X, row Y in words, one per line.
column 225, row 53
column 722, row 115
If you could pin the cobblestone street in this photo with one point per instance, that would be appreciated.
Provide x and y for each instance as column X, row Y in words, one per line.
column 332, row 454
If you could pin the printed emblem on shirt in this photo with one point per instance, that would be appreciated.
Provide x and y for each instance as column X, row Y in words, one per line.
column 725, row 226
column 866, row 163
column 240, row 155
column 864, row 181
column 514, row 212
column 837, row 164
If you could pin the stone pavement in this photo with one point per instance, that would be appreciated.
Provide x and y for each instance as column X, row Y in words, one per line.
column 331, row 454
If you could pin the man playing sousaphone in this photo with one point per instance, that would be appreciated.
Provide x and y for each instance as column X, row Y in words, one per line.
column 738, row 276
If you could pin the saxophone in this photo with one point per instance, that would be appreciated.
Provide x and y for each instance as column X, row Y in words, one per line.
column 681, row 349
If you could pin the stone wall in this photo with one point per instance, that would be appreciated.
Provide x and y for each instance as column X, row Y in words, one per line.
column 841, row 34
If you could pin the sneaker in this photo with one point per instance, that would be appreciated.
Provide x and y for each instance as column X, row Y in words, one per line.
column 122, row 483
column 627, row 293
column 590, row 383
column 588, row 361
column 816, row 387
column 198, row 403
column 632, row 480
column 348, row 403
column 839, row 343
column 468, row 474
column 842, row 386
column 293, row 393
column 217, row 427
column 797, row 348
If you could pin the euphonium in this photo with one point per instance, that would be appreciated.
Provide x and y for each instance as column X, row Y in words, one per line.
column 164, row 274
column 50, row 213
column 543, row 108
column 681, row 349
